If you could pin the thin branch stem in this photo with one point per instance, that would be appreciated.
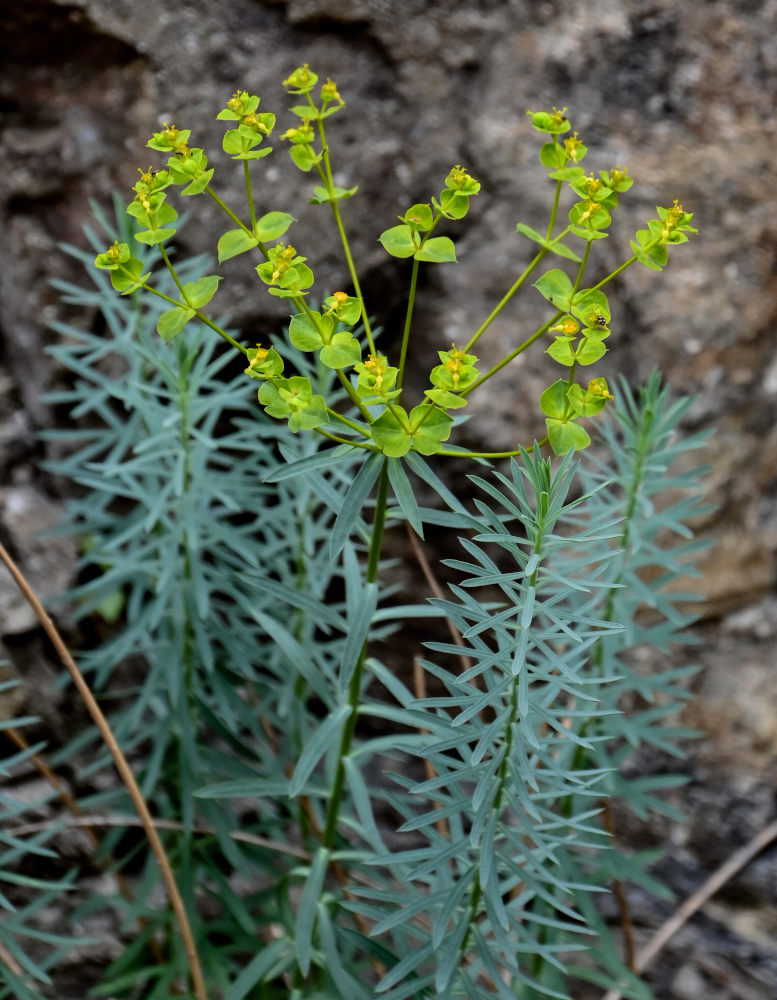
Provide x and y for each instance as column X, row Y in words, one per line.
column 513, row 354
column 222, row 333
column 738, row 860
column 171, row 269
column 328, row 179
column 342, row 440
column 504, row 300
column 354, row 689
column 620, row 895
column 122, row 766
column 228, row 210
column 491, row 454
column 408, row 321
column 249, row 195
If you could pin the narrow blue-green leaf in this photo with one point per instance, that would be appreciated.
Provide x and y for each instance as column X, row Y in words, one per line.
column 295, row 652
column 354, row 502
column 245, row 788
column 449, row 907
column 423, row 471
column 308, row 907
column 325, row 736
column 257, row 968
column 321, row 460
column 358, row 629
column 362, row 804
column 403, row 491
column 408, row 964
column 487, row 851
column 345, row 983
column 300, row 600
column 450, row 958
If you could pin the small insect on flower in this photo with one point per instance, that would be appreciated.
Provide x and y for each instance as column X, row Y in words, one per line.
column 601, row 320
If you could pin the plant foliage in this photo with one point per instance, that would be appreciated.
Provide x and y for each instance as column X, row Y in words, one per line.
column 337, row 830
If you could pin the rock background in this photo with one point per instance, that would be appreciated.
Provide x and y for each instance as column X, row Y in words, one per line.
column 684, row 93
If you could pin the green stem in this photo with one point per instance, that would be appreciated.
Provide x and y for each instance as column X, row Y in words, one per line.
column 504, row 300
column 222, row 333
column 349, row 423
column 513, row 354
column 328, row 180
column 201, row 317
column 341, row 440
column 622, row 268
column 525, row 274
column 554, row 209
column 249, row 195
column 408, row 320
column 228, row 210
column 353, row 395
column 492, row 454
column 171, row 269
column 186, row 305
column 581, row 268
column 354, row 689
column 161, row 295
column 354, row 277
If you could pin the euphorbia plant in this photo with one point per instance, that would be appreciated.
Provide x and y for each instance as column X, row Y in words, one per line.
column 519, row 746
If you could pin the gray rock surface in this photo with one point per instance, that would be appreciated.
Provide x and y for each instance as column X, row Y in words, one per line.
column 684, row 93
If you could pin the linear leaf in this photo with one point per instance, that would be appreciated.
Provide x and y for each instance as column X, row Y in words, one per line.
column 308, row 907
column 354, row 502
column 403, row 491
column 325, row 736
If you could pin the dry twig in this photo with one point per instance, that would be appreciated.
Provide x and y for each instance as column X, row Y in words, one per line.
column 738, row 860
column 122, row 766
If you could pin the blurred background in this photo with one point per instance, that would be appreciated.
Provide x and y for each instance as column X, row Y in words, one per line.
column 684, row 94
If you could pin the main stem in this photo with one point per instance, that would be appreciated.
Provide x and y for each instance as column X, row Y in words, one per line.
column 354, row 689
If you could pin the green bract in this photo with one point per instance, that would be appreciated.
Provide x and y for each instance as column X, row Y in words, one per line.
column 235, row 242
column 345, row 308
column 263, row 363
column 309, row 331
column 294, row 398
column 553, row 122
column 556, row 287
column 172, row 321
column 424, row 429
column 321, row 195
column 189, row 167
column 129, row 277
column 376, row 379
column 342, row 351
column 418, row 217
column 400, row 241
column 301, row 81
